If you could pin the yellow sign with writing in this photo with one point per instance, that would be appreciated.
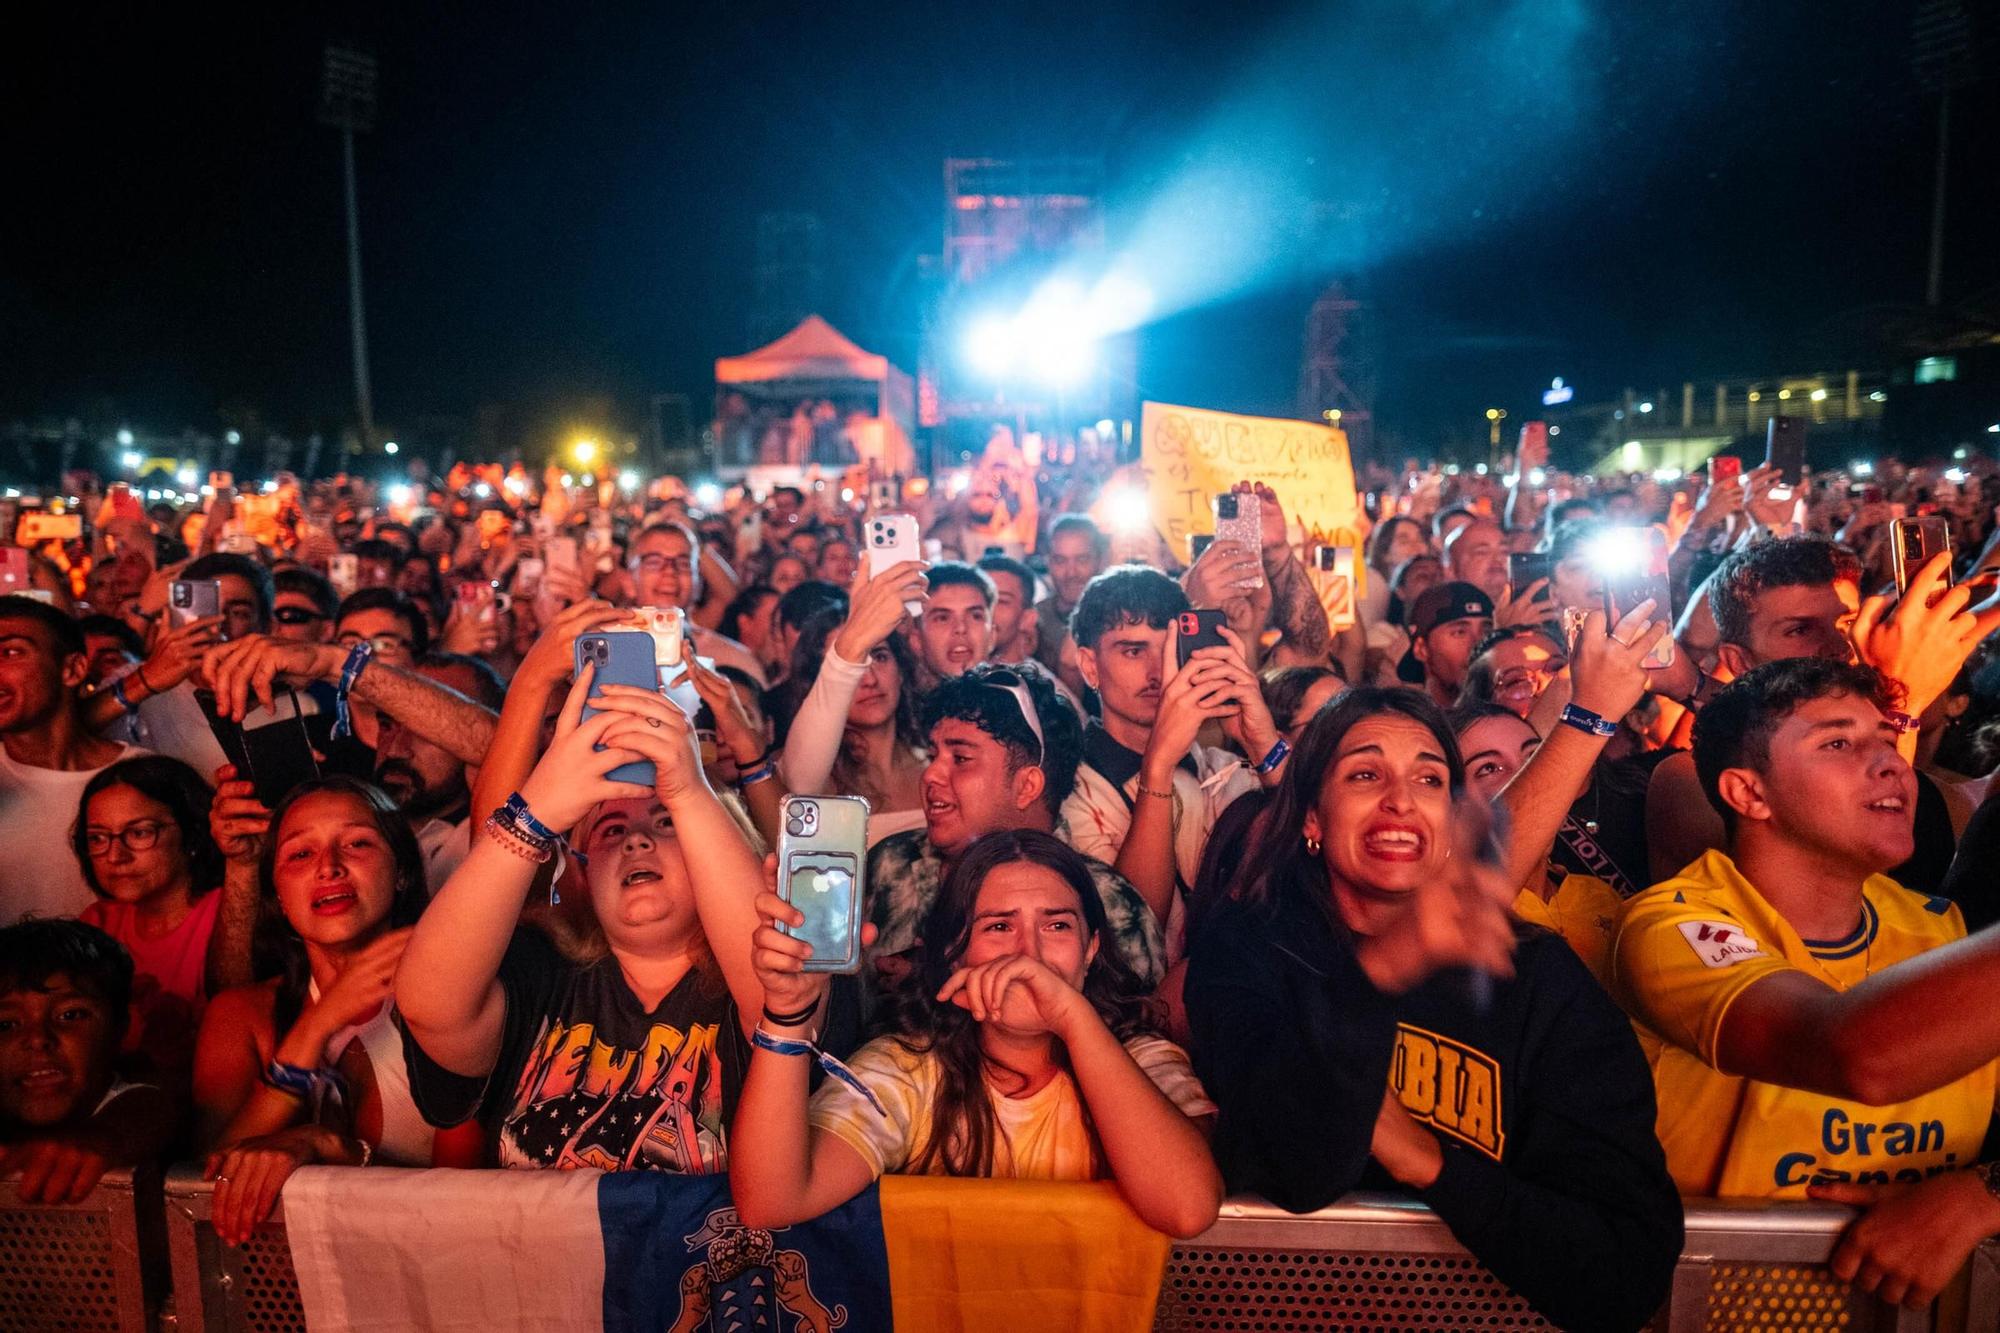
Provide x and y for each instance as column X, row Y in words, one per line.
column 1190, row 455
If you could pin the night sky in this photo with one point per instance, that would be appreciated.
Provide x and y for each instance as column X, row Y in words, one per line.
column 559, row 201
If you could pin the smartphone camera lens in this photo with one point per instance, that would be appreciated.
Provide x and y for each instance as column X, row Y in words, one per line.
column 794, row 827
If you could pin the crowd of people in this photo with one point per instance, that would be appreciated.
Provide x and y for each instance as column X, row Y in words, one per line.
column 1455, row 875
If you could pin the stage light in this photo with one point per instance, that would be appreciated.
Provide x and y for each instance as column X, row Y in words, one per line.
column 1861, row 467
column 1819, row 395
column 130, row 460
column 990, row 346
column 1129, row 509
column 628, row 480
column 232, row 437
column 390, row 446
column 1645, row 407
column 1959, row 452
column 187, row 476
column 399, row 493
column 125, row 437
column 271, row 487
column 708, row 495
column 584, row 452
column 1537, row 477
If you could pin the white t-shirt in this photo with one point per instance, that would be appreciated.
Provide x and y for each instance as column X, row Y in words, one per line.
column 173, row 724
column 38, row 870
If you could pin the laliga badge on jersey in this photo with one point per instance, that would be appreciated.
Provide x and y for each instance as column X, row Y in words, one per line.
column 1719, row 943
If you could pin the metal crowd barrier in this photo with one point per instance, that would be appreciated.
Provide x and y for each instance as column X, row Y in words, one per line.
column 1380, row 1262
column 90, row 1267
column 1371, row 1262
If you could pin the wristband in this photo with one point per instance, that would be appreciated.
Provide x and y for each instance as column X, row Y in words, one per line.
column 350, row 671
column 1166, row 795
column 764, row 1041
column 1275, row 757
column 762, row 773
column 512, row 839
column 1902, row 722
column 517, row 806
column 315, row 1087
column 1586, row 721
column 1702, row 680
column 790, row 1020
column 118, row 693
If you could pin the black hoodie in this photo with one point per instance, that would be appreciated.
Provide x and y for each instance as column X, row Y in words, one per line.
column 1542, row 1102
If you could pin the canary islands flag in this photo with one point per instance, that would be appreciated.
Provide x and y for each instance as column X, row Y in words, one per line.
column 382, row 1249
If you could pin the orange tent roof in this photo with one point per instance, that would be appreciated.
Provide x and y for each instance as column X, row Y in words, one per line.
column 815, row 350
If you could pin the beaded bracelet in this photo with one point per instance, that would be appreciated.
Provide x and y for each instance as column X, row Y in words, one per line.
column 511, row 838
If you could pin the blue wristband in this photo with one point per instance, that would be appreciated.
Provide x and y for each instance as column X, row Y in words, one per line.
column 1275, row 757
column 350, row 671
column 315, row 1087
column 517, row 806
column 764, row 1041
column 1586, row 721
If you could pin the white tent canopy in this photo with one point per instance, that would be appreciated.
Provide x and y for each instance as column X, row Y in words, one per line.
column 815, row 361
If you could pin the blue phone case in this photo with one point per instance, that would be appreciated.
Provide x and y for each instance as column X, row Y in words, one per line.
column 622, row 657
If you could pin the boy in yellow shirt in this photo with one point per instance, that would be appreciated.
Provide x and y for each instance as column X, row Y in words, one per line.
column 1814, row 1027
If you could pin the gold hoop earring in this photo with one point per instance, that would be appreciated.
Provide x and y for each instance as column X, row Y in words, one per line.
column 1312, row 846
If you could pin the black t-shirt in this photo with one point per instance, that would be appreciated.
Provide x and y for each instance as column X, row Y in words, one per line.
column 586, row 1077
column 1605, row 834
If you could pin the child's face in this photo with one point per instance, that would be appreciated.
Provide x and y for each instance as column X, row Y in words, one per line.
column 56, row 1046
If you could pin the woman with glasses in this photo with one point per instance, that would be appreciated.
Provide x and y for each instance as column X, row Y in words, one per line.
column 1019, row 1051
column 307, row 1067
column 857, row 730
column 142, row 840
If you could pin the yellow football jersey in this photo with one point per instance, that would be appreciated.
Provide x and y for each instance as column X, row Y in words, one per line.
column 1584, row 911
column 1686, row 948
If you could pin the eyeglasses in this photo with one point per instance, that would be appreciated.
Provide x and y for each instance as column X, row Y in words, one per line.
column 139, row 836
column 1010, row 682
column 653, row 564
column 296, row 615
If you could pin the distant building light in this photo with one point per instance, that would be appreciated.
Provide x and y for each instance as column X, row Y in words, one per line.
column 1480, row 468
column 125, row 437
column 1555, row 430
column 232, row 437
column 1666, row 475
column 130, row 460
column 1861, row 467
column 1754, row 395
column 1937, row 370
column 1645, row 407
column 1557, row 392
column 187, row 476
column 1819, row 395
column 390, row 447
column 1959, row 452
column 1878, row 397
column 1784, row 394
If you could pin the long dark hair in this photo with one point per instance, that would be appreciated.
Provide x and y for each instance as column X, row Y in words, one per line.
column 278, row 951
column 168, row 782
column 1281, row 871
column 815, row 641
column 963, row 1126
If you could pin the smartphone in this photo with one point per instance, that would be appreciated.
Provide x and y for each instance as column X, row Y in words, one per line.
column 1197, row 543
column 1526, row 568
column 343, row 571
column 1917, row 541
column 884, row 495
column 667, row 628
column 822, row 856
column 1337, row 562
column 189, row 601
column 560, row 552
column 528, row 574
column 40, row 527
column 14, row 574
column 1239, row 519
column 1633, row 575
column 271, row 747
column 892, row 539
column 1785, row 448
column 1198, row 630
column 1724, row 470
column 621, row 657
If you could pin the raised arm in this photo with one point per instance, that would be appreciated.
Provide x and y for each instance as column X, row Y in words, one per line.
column 722, row 866
column 448, row 989
column 517, row 740
column 875, row 609
column 1606, row 678
column 238, row 822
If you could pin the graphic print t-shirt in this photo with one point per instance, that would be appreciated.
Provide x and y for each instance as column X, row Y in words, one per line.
column 588, row 1078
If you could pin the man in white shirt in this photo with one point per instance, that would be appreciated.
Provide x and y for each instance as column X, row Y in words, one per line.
column 1147, row 794
column 47, row 756
column 666, row 571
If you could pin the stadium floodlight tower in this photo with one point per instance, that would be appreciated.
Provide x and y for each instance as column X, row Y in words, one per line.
column 347, row 103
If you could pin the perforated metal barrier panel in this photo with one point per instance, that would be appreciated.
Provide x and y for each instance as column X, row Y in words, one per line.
column 77, row 1268
column 1307, row 1291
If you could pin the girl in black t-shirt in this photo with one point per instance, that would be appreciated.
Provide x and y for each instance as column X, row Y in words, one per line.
column 630, row 1055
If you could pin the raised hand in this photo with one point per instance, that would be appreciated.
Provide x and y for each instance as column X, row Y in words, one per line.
column 237, row 820
column 1018, row 993
column 876, row 606
column 573, row 774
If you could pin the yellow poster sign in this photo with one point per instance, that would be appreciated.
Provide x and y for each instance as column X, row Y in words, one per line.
column 1190, row 455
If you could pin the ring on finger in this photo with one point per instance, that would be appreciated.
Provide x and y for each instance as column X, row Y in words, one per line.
column 653, row 722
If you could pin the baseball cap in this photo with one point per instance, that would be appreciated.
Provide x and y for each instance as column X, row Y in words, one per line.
column 1445, row 603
